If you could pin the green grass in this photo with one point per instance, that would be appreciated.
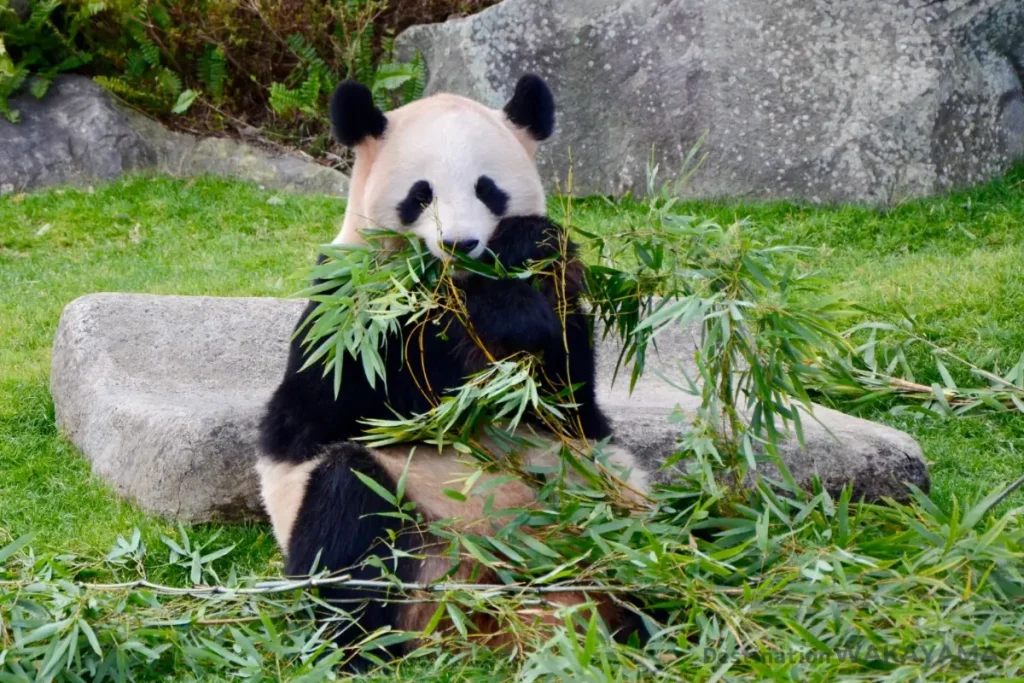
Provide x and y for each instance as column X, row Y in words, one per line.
column 139, row 235
column 953, row 262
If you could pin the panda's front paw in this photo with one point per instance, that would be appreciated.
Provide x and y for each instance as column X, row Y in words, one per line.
column 510, row 316
column 520, row 239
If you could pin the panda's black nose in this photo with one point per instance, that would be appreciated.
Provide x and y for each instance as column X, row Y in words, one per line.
column 463, row 246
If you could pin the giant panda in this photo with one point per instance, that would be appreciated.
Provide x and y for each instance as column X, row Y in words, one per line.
column 460, row 176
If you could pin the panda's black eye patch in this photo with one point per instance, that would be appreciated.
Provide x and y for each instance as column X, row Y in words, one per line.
column 410, row 208
column 493, row 197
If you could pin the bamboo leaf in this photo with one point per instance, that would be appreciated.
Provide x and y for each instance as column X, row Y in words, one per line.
column 376, row 488
column 946, row 377
column 8, row 551
column 457, row 617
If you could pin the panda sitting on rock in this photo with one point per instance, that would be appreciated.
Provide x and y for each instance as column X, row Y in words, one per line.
column 461, row 177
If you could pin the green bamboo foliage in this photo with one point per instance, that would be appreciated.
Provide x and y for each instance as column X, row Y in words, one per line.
column 764, row 582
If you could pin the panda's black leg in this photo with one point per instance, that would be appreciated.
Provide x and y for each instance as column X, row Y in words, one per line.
column 338, row 525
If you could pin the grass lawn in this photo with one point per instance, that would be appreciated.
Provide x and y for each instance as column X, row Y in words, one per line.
column 955, row 263
column 144, row 235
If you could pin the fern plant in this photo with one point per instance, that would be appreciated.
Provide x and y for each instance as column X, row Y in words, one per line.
column 33, row 50
column 308, row 87
column 145, row 79
column 398, row 83
column 265, row 64
column 212, row 71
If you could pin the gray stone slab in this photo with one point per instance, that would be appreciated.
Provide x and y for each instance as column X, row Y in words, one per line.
column 839, row 449
column 163, row 395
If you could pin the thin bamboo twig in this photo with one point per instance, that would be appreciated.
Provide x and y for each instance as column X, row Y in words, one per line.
column 286, row 586
column 1009, row 490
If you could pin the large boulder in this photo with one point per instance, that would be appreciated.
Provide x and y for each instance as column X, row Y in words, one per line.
column 77, row 134
column 824, row 100
column 163, row 395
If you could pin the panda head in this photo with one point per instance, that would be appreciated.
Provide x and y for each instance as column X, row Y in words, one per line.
column 444, row 168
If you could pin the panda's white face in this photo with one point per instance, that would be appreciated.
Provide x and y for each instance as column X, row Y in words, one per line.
column 444, row 168
column 448, row 169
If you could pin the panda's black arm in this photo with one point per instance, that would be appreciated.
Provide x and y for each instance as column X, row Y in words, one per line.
column 520, row 239
column 579, row 370
column 513, row 315
column 519, row 315
column 510, row 316
column 303, row 414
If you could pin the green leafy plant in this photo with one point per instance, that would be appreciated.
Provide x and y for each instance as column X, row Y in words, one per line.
column 765, row 328
column 764, row 325
column 212, row 71
column 763, row 582
column 796, row 585
column 262, row 64
column 145, row 79
column 878, row 370
column 33, row 50
column 766, row 579
column 54, row 627
column 500, row 395
column 363, row 291
column 312, row 81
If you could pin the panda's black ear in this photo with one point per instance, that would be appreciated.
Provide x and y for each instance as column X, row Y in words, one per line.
column 532, row 107
column 354, row 116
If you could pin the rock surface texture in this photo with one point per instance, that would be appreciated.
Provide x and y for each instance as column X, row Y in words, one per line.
column 78, row 134
column 862, row 100
column 163, row 395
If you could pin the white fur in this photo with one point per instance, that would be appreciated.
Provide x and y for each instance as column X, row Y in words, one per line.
column 430, row 471
column 283, row 486
column 450, row 142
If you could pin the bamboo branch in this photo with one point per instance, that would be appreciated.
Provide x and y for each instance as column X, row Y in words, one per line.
column 287, row 586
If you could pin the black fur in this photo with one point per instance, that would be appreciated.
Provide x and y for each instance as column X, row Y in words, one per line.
column 339, row 522
column 354, row 116
column 338, row 519
column 532, row 107
column 509, row 316
column 493, row 197
column 460, row 246
column 410, row 208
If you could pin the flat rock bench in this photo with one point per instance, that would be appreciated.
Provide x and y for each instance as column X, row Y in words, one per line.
column 163, row 395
